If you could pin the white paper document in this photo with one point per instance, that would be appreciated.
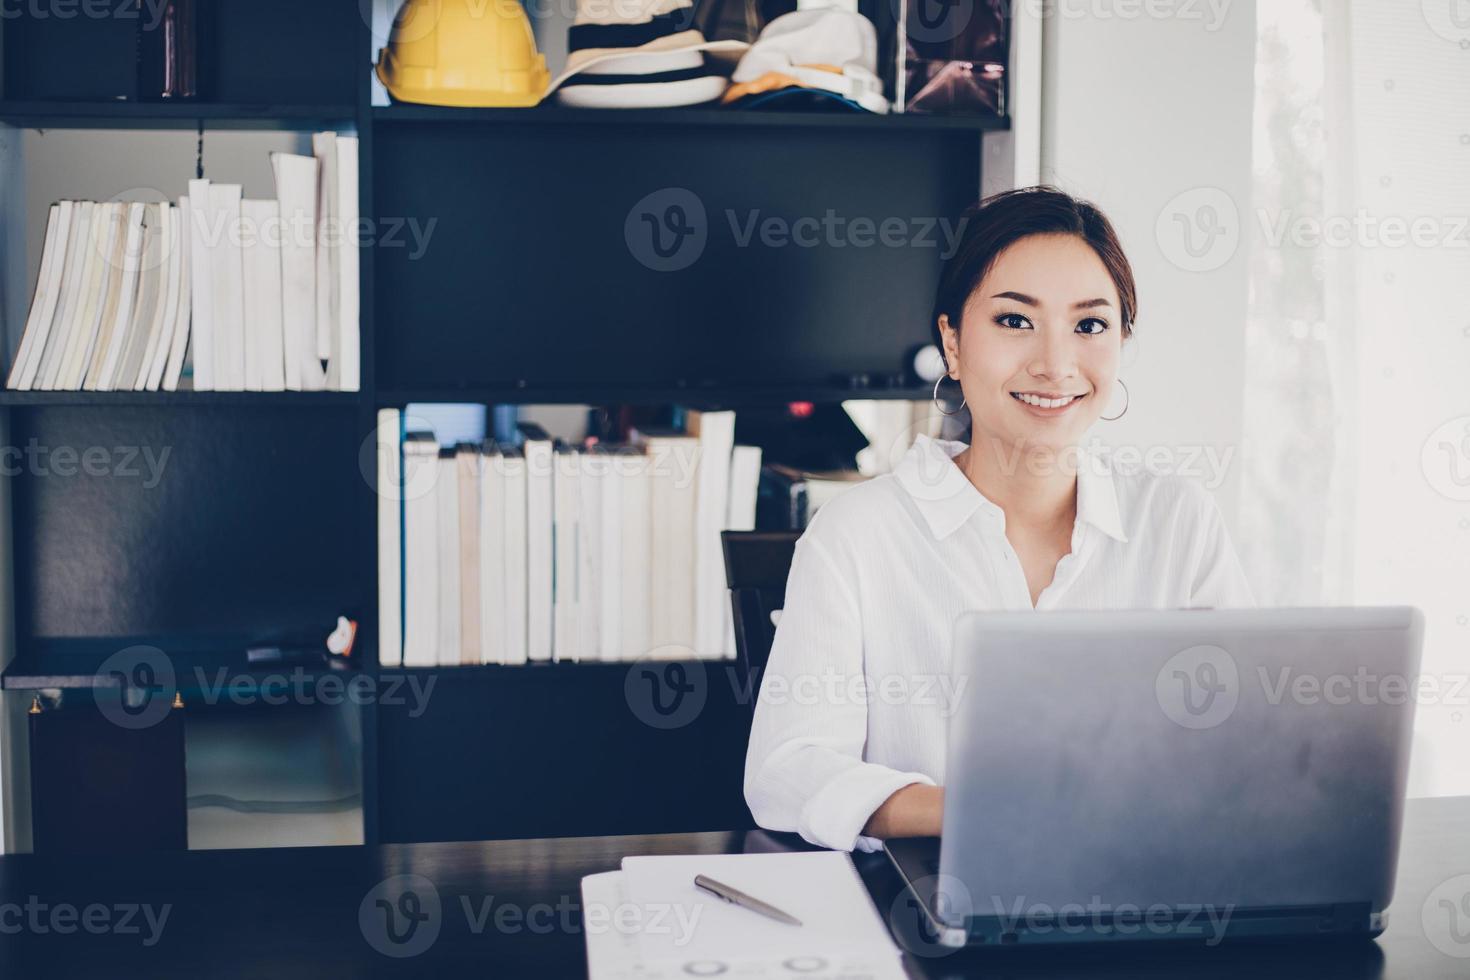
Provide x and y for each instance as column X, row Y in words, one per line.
column 650, row 921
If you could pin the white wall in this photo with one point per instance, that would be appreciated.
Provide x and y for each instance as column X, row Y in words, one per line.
column 1136, row 111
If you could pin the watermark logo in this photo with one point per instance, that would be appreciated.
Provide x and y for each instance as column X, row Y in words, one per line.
column 1449, row 19
column 144, row 677
column 912, row 925
column 1445, row 459
column 1445, row 916
column 401, row 916
column 666, row 231
column 935, row 21
column 666, row 695
column 1199, row 229
column 1198, row 687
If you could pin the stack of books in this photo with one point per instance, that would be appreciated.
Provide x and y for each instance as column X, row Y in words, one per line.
column 239, row 294
column 493, row 554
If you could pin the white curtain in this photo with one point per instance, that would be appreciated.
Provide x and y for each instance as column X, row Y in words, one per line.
column 1357, row 424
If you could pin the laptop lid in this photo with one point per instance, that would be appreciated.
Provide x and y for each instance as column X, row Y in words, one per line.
column 1245, row 758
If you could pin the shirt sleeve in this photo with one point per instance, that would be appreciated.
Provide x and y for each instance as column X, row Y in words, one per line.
column 1218, row 581
column 804, row 768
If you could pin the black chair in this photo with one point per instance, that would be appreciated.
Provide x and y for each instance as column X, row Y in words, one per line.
column 756, row 566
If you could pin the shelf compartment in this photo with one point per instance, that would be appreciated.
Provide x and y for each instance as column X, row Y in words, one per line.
column 572, row 732
column 526, row 268
column 211, row 521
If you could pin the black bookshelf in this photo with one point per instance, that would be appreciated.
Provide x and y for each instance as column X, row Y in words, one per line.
column 527, row 293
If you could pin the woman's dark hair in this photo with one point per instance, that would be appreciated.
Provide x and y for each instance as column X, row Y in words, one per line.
column 992, row 225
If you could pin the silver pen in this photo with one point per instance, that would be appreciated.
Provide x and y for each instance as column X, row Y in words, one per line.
column 737, row 897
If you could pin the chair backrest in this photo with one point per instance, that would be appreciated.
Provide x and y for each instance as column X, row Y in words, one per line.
column 756, row 566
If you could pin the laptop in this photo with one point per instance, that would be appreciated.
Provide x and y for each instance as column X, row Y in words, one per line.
column 1201, row 775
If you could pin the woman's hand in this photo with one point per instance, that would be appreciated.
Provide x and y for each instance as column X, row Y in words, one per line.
column 914, row 811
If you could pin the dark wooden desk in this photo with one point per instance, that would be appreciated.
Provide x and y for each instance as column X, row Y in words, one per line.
column 282, row 914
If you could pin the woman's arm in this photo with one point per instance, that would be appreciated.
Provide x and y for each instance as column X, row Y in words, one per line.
column 914, row 811
column 804, row 768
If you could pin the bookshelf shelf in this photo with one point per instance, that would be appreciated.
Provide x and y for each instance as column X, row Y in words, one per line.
column 693, row 396
column 199, row 668
column 180, row 399
column 49, row 114
column 676, row 118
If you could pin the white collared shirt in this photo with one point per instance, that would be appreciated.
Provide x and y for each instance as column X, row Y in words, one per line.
column 853, row 705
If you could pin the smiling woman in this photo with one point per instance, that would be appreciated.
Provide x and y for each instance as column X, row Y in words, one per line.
column 1032, row 311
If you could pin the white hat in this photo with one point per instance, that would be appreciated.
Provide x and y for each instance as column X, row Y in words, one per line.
column 827, row 48
column 638, row 54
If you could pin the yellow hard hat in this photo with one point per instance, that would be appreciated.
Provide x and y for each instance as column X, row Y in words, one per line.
column 463, row 53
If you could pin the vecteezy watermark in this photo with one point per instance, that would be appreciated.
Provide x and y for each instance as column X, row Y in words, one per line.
column 1198, row 687
column 666, row 693
column 404, row 916
column 40, row 918
column 302, row 687
column 143, row 677
column 1362, row 229
column 123, row 462
column 1445, row 459
column 1014, row 918
column 1198, row 230
column 939, row 21
column 146, row 685
column 151, row 11
column 1450, row 19
column 401, row 916
column 669, row 229
column 1445, row 916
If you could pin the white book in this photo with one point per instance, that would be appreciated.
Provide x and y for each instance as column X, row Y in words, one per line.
column 390, row 538
column 227, row 275
column 108, row 355
column 179, row 346
column 108, row 235
column 610, row 555
column 672, row 498
column 159, row 341
column 637, row 570
column 745, row 478
column 589, row 540
column 716, row 434
column 517, row 611
column 201, row 284
column 148, row 313
column 71, row 286
column 328, row 284
column 296, row 179
column 79, row 270
column 45, row 296
column 447, row 490
column 492, row 557
column 467, row 468
column 166, row 245
column 84, row 364
column 348, row 356
column 565, row 495
column 420, row 552
column 265, row 345
column 152, row 379
column 538, row 549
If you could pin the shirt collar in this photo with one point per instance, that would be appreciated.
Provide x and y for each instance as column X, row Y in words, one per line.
column 947, row 499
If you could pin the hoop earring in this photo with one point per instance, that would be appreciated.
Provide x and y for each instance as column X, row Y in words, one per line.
column 939, row 406
column 1126, row 400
